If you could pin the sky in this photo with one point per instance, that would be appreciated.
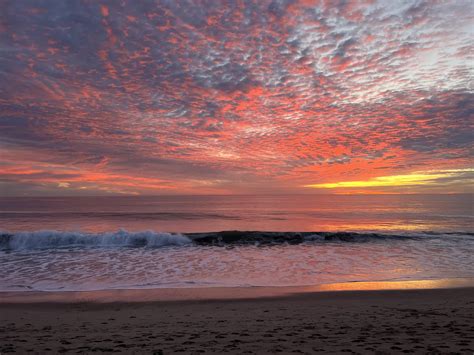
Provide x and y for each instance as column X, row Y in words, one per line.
column 236, row 97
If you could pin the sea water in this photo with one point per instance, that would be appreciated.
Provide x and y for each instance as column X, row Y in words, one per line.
column 96, row 243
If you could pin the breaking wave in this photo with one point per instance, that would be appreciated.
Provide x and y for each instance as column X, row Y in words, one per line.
column 121, row 238
column 151, row 239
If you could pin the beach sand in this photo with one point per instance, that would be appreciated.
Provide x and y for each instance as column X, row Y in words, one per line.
column 388, row 321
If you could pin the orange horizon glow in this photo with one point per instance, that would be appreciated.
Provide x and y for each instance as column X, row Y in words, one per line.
column 430, row 178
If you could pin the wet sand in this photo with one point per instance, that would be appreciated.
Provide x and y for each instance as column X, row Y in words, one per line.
column 388, row 321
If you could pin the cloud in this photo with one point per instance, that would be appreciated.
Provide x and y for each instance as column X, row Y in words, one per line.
column 234, row 96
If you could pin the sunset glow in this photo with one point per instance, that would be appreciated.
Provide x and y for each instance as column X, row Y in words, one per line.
column 265, row 97
column 422, row 178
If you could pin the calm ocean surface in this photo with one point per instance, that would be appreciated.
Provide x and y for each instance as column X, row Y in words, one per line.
column 91, row 243
column 439, row 213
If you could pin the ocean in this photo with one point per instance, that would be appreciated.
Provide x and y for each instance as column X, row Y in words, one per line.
column 141, row 242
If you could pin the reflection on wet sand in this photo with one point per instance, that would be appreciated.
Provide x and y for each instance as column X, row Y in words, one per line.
column 221, row 293
column 395, row 285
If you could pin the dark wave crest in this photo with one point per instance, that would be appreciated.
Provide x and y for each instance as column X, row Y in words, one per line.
column 266, row 238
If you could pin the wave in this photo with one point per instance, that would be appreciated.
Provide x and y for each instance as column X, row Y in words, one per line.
column 151, row 239
column 121, row 238
column 268, row 238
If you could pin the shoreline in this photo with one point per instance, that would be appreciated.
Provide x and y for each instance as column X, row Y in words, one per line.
column 437, row 320
column 222, row 293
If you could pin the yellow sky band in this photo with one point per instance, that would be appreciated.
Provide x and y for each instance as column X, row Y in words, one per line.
column 416, row 178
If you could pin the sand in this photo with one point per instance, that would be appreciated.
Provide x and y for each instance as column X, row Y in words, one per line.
column 389, row 321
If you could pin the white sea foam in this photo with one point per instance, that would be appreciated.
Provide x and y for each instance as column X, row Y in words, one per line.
column 120, row 238
column 68, row 261
column 44, row 267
